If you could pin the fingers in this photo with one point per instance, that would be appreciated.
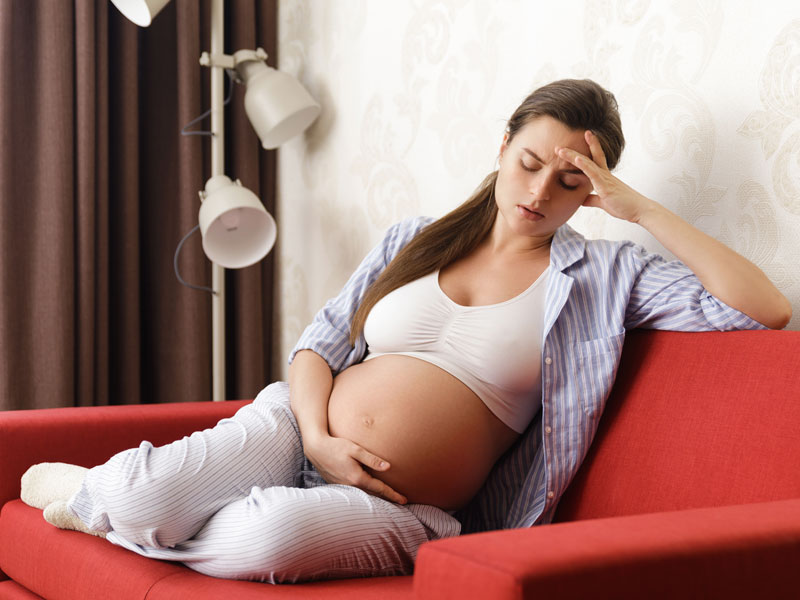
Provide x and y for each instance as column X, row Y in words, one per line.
column 373, row 485
column 346, row 463
column 368, row 459
column 361, row 479
column 590, row 166
column 596, row 149
column 584, row 163
column 379, row 488
column 358, row 477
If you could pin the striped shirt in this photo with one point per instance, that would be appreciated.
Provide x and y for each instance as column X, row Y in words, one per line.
column 597, row 289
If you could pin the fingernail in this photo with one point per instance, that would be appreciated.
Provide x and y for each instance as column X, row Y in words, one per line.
column 383, row 464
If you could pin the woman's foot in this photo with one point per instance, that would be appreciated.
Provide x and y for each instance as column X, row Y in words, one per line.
column 49, row 486
column 46, row 483
column 61, row 516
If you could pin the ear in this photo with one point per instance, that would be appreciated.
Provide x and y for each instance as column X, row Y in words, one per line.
column 503, row 146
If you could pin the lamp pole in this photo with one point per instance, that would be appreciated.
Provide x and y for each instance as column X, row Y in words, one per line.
column 217, row 168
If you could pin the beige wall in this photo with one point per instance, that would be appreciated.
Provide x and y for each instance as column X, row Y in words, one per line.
column 415, row 95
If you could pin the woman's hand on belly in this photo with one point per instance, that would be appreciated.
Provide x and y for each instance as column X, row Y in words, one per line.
column 339, row 460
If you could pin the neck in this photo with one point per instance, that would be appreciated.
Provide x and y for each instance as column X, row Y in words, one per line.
column 501, row 241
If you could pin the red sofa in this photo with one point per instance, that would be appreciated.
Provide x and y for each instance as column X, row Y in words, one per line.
column 691, row 490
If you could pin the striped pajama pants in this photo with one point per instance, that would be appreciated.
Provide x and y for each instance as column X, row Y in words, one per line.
column 241, row 501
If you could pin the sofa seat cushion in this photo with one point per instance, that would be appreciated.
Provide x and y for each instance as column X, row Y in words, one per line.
column 11, row 590
column 65, row 565
column 189, row 585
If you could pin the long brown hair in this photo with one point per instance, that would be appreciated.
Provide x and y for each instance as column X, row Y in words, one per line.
column 578, row 104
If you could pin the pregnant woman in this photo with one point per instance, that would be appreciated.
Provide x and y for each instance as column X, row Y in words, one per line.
column 454, row 384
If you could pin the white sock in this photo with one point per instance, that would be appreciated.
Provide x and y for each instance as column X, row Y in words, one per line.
column 46, row 483
column 58, row 514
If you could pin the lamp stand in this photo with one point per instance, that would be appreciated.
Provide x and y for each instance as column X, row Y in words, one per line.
column 217, row 168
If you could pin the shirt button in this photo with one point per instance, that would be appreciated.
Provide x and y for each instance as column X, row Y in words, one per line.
column 548, row 361
column 548, row 429
column 551, row 494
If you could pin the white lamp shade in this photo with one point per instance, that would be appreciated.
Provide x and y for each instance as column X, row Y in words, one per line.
column 237, row 230
column 141, row 12
column 278, row 106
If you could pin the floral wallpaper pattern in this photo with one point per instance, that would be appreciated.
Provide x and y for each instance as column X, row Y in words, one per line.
column 415, row 94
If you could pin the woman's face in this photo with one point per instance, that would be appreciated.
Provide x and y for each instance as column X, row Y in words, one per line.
column 536, row 191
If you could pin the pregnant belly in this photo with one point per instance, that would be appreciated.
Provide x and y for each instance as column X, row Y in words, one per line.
column 439, row 437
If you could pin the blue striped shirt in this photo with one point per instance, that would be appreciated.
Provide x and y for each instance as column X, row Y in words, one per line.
column 597, row 289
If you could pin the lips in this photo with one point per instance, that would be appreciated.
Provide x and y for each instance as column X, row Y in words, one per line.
column 529, row 214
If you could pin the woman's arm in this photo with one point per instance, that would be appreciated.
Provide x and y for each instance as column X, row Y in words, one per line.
column 338, row 460
column 323, row 349
column 724, row 273
column 310, row 385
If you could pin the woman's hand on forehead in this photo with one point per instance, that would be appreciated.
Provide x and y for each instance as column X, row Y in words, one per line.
column 610, row 193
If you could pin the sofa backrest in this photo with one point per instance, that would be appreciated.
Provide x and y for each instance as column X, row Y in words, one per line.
column 694, row 420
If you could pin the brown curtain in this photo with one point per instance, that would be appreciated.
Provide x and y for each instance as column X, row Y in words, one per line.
column 98, row 188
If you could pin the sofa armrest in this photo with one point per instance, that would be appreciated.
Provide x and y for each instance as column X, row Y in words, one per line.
column 89, row 436
column 744, row 551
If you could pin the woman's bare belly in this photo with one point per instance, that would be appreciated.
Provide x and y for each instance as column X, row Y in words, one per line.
column 439, row 438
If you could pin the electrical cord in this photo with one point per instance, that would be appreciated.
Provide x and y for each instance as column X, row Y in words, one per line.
column 177, row 271
column 208, row 112
column 184, row 131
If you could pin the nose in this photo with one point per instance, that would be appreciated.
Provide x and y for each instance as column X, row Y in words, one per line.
column 540, row 185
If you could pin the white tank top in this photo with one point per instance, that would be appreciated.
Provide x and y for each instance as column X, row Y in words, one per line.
column 495, row 349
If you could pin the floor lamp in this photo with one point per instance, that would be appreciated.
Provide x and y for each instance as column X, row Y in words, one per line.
column 236, row 228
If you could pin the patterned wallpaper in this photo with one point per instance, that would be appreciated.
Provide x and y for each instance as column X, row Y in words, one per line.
column 415, row 94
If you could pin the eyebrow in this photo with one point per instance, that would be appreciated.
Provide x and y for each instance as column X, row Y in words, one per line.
column 570, row 171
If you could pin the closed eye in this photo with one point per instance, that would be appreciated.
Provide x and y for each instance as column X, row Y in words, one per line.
column 536, row 168
column 560, row 182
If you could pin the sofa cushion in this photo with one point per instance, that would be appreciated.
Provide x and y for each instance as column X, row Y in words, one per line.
column 65, row 565
column 189, row 585
column 11, row 590
column 694, row 420
column 59, row 564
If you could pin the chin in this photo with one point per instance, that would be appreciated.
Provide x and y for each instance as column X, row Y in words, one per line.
column 532, row 230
